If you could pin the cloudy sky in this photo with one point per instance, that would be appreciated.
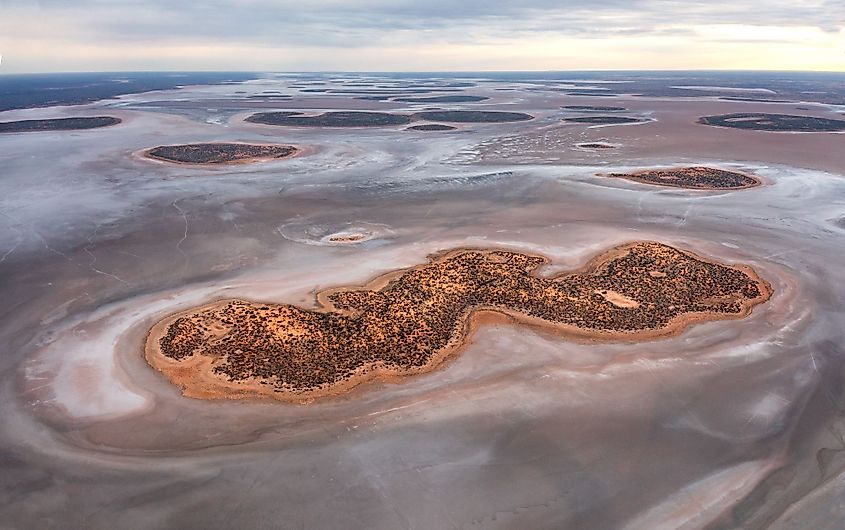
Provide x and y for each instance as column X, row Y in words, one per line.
column 402, row 35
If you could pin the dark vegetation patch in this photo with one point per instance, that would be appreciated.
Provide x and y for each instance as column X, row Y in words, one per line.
column 592, row 108
column 593, row 94
column 755, row 100
column 21, row 91
column 431, row 85
column 819, row 87
column 442, row 99
column 473, row 116
column 218, row 153
column 431, row 127
column 58, row 124
column 392, row 92
column 331, row 119
column 596, row 145
column 774, row 122
column 693, row 178
column 604, row 120
column 269, row 96
column 376, row 119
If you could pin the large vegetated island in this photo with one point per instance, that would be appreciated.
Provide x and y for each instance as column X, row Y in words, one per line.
column 409, row 321
column 774, row 122
column 696, row 178
column 219, row 153
column 58, row 124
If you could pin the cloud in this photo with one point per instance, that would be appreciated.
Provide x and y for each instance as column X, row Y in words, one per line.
column 391, row 24
column 342, row 22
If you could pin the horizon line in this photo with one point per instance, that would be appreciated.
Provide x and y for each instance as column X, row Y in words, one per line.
column 270, row 72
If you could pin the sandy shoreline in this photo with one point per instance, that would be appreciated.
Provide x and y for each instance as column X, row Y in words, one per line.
column 195, row 378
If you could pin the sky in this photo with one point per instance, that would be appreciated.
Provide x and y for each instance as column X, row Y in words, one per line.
column 427, row 35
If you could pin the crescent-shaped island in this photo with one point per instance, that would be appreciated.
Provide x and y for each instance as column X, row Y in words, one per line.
column 409, row 321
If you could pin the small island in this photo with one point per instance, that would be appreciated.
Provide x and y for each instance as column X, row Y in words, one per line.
column 381, row 119
column 442, row 99
column 431, row 127
column 755, row 100
column 330, row 119
column 58, row 124
column 473, row 116
column 410, row 321
column 592, row 108
column 591, row 94
column 347, row 238
column 605, row 120
column 774, row 122
column 219, row 153
column 595, row 145
column 693, row 178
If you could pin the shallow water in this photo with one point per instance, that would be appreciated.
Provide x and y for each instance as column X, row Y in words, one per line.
column 733, row 423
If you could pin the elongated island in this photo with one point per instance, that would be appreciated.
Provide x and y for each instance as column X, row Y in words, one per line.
column 409, row 321
column 693, row 178
column 220, row 153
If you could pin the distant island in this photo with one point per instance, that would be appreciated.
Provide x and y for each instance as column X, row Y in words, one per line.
column 696, row 178
column 219, row 153
column 595, row 145
column 473, row 116
column 330, row 119
column 774, row 122
column 592, row 108
column 431, row 127
column 442, row 99
column 381, row 119
column 58, row 124
column 605, row 120
column 23, row 91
